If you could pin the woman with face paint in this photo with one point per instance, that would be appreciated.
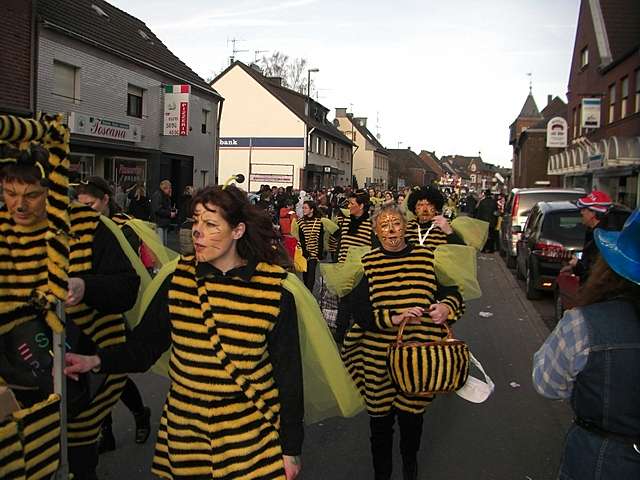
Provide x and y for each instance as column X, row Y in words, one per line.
column 235, row 366
column 311, row 231
column 429, row 228
column 398, row 284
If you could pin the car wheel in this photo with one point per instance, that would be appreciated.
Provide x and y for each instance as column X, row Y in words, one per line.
column 558, row 308
column 510, row 260
column 532, row 292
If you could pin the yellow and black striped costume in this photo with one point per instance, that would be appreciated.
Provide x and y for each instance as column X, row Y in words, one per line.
column 23, row 257
column 356, row 235
column 434, row 238
column 222, row 414
column 393, row 282
column 311, row 238
column 30, row 441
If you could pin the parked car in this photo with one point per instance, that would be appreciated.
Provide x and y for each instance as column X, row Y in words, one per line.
column 552, row 234
column 517, row 208
column 565, row 293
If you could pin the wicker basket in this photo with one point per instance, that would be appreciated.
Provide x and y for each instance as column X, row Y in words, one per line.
column 425, row 368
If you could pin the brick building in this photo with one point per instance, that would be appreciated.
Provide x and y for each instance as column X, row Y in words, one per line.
column 17, row 61
column 406, row 168
column 604, row 150
column 528, row 137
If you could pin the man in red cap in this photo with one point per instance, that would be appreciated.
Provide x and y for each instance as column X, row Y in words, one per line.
column 593, row 208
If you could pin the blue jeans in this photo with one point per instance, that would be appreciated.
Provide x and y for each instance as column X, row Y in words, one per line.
column 162, row 233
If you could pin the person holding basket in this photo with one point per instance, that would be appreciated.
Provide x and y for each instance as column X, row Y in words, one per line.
column 398, row 290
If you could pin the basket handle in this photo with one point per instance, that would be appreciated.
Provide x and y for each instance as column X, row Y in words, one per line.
column 405, row 321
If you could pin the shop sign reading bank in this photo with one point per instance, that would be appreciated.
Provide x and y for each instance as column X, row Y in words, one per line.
column 103, row 128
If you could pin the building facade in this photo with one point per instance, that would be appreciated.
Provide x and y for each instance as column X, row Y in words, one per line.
column 137, row 114
column 276, row 136
column 17, row 62
column 370, row 159
column 604, row 103
column 406, row 169
column 528, row 137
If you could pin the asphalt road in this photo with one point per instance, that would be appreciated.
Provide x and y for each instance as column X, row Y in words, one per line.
column 515, row 435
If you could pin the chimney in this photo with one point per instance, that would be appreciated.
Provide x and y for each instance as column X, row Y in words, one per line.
column 341, row 112
column 549, row 99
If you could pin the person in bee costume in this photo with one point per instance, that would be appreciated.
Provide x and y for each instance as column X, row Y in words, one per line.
column 232, row 320
column 53, row 250
column 96, row 193
column 399, row 283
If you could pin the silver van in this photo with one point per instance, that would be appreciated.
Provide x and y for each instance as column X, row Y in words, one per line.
column 517, row 209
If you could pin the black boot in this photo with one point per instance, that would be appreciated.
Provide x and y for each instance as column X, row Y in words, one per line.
column 143, row 425
column 106, row 442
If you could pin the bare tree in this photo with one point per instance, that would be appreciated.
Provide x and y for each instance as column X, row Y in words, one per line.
column 275, row 66
column 292, row 71
column 297, row 77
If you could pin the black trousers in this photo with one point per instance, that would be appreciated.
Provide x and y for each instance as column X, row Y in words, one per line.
column 83, row 461
column 132, row 400
column 344, row 318
column 309, row 277
column 382, row 441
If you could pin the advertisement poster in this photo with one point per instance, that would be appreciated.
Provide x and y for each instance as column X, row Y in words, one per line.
column 176, row 110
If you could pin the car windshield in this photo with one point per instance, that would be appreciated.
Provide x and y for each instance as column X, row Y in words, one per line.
column 564, row 227
column 528, row 201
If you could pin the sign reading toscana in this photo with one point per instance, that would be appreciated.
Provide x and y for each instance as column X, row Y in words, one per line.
column 101, row 127
column 176, row 110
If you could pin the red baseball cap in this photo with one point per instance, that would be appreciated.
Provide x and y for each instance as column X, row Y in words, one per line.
column 597, row 201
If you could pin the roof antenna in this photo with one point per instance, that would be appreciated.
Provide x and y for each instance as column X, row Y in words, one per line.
column 234, row 50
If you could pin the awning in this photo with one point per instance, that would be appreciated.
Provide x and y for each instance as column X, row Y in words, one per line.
column 587, row 157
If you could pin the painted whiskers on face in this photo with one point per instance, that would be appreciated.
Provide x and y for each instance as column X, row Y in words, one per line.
column 26, row 202
column 214, row 240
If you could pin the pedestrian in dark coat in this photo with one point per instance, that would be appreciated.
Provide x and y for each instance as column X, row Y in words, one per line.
column 161, row 211
column 488, row 211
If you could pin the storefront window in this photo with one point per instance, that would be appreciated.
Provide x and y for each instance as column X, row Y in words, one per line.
column 124, row 173
column 81, row 166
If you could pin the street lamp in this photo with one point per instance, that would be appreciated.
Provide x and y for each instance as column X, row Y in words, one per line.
column 308, row 112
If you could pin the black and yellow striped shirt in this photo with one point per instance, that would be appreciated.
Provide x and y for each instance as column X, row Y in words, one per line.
column 311, row 239
column 432, row 235
column 354, row 232
column 111, row 287
column 393, row 282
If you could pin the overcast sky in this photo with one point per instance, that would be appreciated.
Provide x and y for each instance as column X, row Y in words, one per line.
column 448, row 76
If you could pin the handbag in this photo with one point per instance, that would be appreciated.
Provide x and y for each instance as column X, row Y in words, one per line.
column 425, row 368
column 26, row 363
